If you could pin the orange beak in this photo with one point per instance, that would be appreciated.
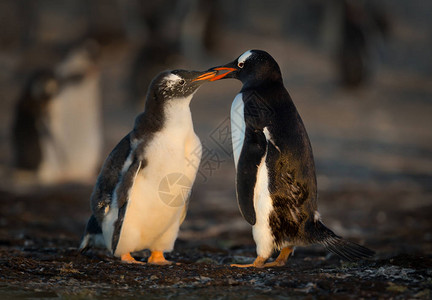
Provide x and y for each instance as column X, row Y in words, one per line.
column 220, row 76
column 206, row 76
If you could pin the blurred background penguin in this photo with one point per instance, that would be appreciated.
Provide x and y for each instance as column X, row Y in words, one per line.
column 57, row 129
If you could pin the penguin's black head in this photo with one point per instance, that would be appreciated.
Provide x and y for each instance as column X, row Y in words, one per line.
column 252, row 68
column 39, row 90
column 42, row 85
column 178, row 83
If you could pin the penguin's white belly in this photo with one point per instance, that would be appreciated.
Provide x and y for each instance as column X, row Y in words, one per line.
column 159, row 194
column 73, row 150
column 263, row 207
column 263, row 204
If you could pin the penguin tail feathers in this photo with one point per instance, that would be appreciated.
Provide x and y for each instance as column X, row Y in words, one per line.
column 92, row 237
column 347, row 250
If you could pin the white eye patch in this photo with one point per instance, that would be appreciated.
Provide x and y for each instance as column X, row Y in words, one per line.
column 244, row 56
column 172, row 79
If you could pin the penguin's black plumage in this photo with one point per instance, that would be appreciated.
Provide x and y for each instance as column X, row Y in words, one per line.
column 30, row 113
column 276, row 182
column 133, row 209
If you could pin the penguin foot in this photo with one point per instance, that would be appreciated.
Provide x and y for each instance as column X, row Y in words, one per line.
column 281, row 260
column 127, row 258
column 158, row 258
column 258, row 263
column 275, row 263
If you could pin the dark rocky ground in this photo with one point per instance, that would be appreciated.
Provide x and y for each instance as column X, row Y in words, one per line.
column 39, row 259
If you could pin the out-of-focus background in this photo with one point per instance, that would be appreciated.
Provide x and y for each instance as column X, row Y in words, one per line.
column 73, row 76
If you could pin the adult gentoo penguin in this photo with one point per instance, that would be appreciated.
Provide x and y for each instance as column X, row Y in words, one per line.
column 276, row 182
column 140, row 197
column 57, row 129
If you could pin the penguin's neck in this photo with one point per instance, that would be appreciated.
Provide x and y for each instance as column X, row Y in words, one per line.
column 172, row 115
column 178, row 115
column 268, row 84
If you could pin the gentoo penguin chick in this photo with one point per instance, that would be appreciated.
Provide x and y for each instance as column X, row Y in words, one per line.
column 57, row 131
column 276, row 181
column 140, row 197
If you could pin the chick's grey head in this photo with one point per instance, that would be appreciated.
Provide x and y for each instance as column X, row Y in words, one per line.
column 178, row 84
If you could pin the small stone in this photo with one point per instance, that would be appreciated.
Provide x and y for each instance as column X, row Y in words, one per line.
column 396, row 288
column 204, row 278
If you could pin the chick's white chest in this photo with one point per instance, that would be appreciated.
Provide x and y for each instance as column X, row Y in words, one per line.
column 158, row 197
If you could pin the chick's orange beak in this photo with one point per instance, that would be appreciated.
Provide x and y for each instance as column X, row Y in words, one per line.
column 206, row 76
column 220, row 76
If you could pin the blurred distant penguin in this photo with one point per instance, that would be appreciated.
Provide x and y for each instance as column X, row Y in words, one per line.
column 276, row 182
column 29, row 127
column 364, row 25
column 57, row 130
column 140, row 197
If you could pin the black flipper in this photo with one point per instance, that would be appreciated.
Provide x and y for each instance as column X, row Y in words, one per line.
column 347, row 250
column 122, row 192
column 108, row 178
column 254, row 149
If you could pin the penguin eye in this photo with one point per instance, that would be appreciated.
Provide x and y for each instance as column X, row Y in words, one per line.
column 182, row 82
column 240, row 65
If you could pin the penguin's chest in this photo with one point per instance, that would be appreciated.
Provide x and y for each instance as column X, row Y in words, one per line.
column 238, row 126
column 158, row 196
column 262, row 200
column 72, row 149
column 171, row 155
